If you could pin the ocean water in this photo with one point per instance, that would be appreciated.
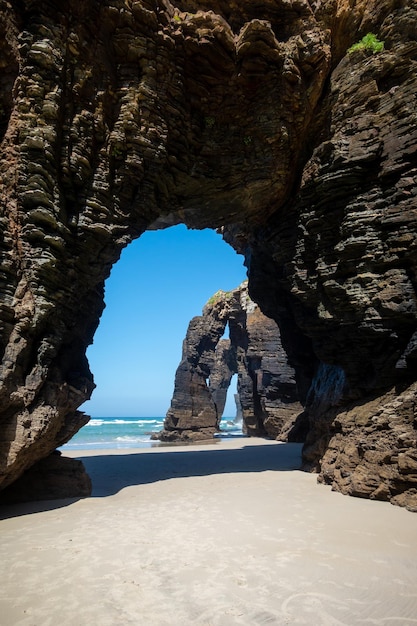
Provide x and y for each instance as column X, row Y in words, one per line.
column 131, row 432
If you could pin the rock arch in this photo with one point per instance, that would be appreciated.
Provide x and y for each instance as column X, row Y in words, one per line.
column 125, row 115
column 267, row 392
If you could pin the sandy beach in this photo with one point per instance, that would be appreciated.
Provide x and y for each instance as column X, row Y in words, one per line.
column 221, row 534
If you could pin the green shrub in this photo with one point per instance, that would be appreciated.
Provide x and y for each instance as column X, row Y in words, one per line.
column 370, row 43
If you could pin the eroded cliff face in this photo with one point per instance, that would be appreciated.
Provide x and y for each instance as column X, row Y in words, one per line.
column 341, row 255
column 266, row 387
column 125, row 115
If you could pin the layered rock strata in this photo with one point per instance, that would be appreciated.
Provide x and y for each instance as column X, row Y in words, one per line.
column 124, row 115
column 341, row 255
column 266, row 387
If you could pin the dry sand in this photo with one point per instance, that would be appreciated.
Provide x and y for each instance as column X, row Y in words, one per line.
column 229, row 533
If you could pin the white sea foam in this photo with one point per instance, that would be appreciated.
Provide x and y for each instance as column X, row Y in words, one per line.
column 116, row 432
column 125, row 438
column 96, row 421
column 133, row 432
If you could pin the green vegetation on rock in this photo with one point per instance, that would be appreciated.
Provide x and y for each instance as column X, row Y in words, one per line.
column 369, row 42
column 220, row 295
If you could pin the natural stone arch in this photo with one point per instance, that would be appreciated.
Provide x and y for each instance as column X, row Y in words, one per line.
column 123, row 115
column 266, row 387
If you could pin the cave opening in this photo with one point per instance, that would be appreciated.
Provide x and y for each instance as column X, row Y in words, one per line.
column 231, row 422
column 230, row 410
column 162, row 280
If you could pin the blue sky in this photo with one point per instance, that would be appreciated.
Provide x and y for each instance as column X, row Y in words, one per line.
column 161, row 281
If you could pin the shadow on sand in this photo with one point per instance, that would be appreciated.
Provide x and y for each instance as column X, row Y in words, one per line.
column 112, row 472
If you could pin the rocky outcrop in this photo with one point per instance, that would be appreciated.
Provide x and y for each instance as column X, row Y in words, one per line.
column 193, row 413
column 268, row 401
column 51, row 478
column 344, row 251
column 254, row 118
column 372, row 449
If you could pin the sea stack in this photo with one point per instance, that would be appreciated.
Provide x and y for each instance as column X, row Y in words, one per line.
column 266, row 385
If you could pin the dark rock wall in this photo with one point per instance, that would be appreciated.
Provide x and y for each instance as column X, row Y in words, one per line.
column 270, row 404
column 193, row 412
column 266, row 386
column 124, row 115
column 344, row 269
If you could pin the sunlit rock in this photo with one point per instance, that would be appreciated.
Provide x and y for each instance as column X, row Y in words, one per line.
column 268, row 399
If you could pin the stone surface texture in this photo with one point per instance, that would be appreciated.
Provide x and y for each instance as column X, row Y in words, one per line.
column 125, row 115
column 51, row 478
column 266, row 388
